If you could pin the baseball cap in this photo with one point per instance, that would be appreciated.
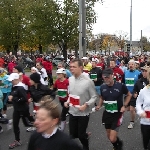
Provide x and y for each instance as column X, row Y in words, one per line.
column 61, row 70
column 84, row 58
column 107, row 72
column 131, row 61
column 13, row 76
column 95, row 60
column 137, row 62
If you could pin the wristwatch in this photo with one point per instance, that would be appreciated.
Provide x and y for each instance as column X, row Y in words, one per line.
column 125, row 106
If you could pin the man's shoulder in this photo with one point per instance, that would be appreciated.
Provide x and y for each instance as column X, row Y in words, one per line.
column 19, row 87
column 137, row 71
column 115, row 84
column 71, row 78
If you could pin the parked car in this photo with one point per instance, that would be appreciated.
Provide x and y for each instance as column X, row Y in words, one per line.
column 56, row 60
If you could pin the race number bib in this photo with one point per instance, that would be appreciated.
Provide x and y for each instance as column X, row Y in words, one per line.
column 147, row 111
column 111, row 106
column 74, row 100
column 62, row 93
column 129, row 81
column 93, row 76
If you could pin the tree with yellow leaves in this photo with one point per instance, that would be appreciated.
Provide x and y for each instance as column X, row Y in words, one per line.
column 108, row 42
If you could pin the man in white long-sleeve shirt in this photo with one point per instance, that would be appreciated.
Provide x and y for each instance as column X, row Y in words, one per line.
column 82, row 94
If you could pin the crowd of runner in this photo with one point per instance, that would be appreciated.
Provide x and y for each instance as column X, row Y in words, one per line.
column 119, row 83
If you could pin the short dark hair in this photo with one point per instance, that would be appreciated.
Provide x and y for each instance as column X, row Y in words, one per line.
column 112, row 59
column 79, row 61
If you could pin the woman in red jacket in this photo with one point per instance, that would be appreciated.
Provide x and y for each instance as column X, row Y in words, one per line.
column 61, row 85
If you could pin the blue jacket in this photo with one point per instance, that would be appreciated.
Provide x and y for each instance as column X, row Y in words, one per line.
column 131, row 78
column 68, row 73
column 4, row 82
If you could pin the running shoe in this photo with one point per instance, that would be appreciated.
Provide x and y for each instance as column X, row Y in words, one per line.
column 119, row 146
column 14, row 144
column 31, row 129
column 4, row 115
column 131, row 125
column 9, row 125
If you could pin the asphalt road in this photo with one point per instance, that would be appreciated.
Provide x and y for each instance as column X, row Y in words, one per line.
column 98, row 140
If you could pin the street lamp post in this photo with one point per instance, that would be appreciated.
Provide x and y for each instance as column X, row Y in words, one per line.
column 131, row 28
column 109, row 47
column 125, row 47
column 82, row 28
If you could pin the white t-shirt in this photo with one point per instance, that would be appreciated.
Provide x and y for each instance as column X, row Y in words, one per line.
column 44, row 75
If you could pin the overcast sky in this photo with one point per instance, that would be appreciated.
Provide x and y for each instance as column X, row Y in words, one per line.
column 114, row 15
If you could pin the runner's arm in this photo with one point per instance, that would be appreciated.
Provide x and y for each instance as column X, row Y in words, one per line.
column 92, row 93
column 100, row 103
column 127, row 99
column 135, row 90
column 127, row 93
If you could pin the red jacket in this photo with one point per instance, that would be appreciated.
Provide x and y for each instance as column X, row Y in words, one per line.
column 1, row 62
column 101, row 65
column 62, row 89
column 39, row 59
column 118, row 74
column 11, row 65
column 48, row 66
column 25, row 80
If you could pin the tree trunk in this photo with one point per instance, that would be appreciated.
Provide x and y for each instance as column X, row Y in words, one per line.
column 65, row 51
column 31, row 52
column 76, row 52
column 40, row 49
column 8, row 49
column 15, row 49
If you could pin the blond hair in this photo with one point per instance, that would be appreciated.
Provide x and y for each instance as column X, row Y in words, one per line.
column 52, row 107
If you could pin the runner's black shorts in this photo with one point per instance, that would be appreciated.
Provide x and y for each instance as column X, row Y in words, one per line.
column 112, row 120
